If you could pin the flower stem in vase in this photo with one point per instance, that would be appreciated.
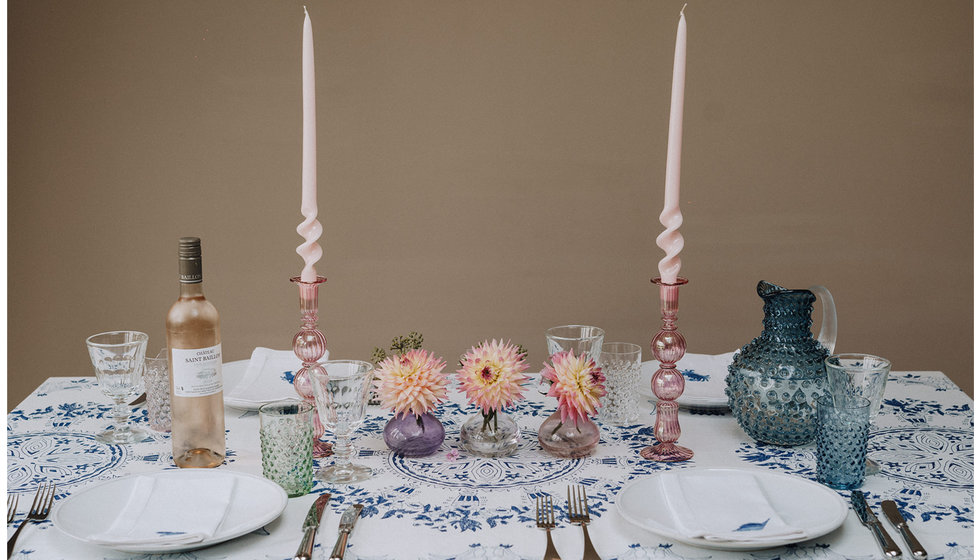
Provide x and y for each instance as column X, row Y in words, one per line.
column 571, row 439
column 493, row 434
column 668, row 347
column 309, row 345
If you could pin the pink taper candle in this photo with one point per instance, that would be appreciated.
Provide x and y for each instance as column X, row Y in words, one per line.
column 671, row 241
column 310, row 228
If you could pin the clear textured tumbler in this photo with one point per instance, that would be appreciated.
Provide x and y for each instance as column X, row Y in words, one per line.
column 620, row 362
column 861, row 375
column 842, row 440
column 286, row 437
column 156, row 379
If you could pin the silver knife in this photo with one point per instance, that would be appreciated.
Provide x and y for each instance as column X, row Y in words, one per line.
column 312, row 521
column 895, row 517
column 870, row 520
column 346, row 526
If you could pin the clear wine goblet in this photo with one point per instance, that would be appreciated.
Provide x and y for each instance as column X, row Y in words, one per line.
column 118, row 361
column 341, row 391
column 859, row 375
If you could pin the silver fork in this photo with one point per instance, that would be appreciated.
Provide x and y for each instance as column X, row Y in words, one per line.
column 12, row 500
column 578, row 512
column 39, row 511
column 546, row 521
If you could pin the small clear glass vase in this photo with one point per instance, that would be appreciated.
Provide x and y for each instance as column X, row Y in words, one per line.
column 568, row 439
column 409, row 435
column 493, row 435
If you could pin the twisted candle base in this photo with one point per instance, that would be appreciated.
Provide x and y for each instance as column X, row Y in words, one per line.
column 309, row 344
column 668, row 347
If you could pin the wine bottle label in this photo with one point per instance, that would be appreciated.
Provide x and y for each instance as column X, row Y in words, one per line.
column 196, row 371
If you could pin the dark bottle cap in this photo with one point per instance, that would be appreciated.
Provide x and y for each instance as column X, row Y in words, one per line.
column 189, row 259
column 189, row 247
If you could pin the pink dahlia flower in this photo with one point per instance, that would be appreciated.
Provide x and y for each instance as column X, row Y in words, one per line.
column 412, row 382
column 492, row 375
column 577, row 382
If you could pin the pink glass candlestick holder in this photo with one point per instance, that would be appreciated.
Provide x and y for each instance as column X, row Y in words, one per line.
column 668, row 347
column 309, row 344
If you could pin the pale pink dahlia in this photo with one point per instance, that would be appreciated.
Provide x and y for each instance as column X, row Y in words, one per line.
column 412, row 382
column 577, row 382
column 491, row 375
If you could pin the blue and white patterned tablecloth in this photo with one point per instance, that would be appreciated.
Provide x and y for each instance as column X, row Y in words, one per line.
column 471, row 508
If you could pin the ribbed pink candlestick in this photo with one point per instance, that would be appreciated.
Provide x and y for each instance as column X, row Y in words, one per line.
column 668, row 347
column 309, row 345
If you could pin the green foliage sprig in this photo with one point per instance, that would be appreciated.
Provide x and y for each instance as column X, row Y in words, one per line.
column 399, row 345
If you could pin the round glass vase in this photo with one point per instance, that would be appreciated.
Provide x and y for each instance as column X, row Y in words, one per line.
column 568, row 439
column 494, row 435
column 409, row 435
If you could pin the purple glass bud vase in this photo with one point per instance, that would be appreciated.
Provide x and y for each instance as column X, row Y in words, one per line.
column 409, row 435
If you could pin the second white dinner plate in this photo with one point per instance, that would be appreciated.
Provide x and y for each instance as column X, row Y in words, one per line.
column 233, row 373
column 255, row 502
column 704, row 379
column 802, row 503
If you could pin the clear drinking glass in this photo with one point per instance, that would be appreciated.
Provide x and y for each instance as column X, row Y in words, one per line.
column 580, row 338
column 156, row 379
column 286, row 439
column 859, row 375
column 620, row 362
column 583, row 339
column 341, row 391
column 118, row 361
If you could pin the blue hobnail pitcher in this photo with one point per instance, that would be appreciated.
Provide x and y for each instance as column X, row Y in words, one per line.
column 775, row 380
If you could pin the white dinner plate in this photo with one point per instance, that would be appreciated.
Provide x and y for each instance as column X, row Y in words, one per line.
column 704, row 380
column 232, row 374
column 802, row 503
column 255, row 502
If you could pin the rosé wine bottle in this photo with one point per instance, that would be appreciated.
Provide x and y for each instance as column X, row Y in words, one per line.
column 196, row 391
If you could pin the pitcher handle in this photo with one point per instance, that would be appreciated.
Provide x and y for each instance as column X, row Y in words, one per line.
column 828, row 325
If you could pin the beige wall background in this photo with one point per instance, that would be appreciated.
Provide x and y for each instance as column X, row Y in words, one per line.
column 489, row 169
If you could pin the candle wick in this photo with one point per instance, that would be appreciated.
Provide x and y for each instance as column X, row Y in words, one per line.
column 682, row 9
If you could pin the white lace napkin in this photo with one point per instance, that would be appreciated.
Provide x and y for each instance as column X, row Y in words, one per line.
column 268, row 378
column 170, row 510
column 723, row 508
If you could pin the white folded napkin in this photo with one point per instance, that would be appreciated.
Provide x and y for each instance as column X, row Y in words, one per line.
column 170, row 510
column 729, row 508
column 707, row 378
column 268, row 378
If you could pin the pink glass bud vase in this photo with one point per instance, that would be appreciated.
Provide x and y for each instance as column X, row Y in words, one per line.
column 409, row 435
column 568, row 439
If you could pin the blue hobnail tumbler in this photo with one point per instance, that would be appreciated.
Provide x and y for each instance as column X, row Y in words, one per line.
column 843, row 423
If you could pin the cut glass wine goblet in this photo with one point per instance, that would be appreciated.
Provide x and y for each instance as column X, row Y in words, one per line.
column 117, row 357
column 341, row 391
